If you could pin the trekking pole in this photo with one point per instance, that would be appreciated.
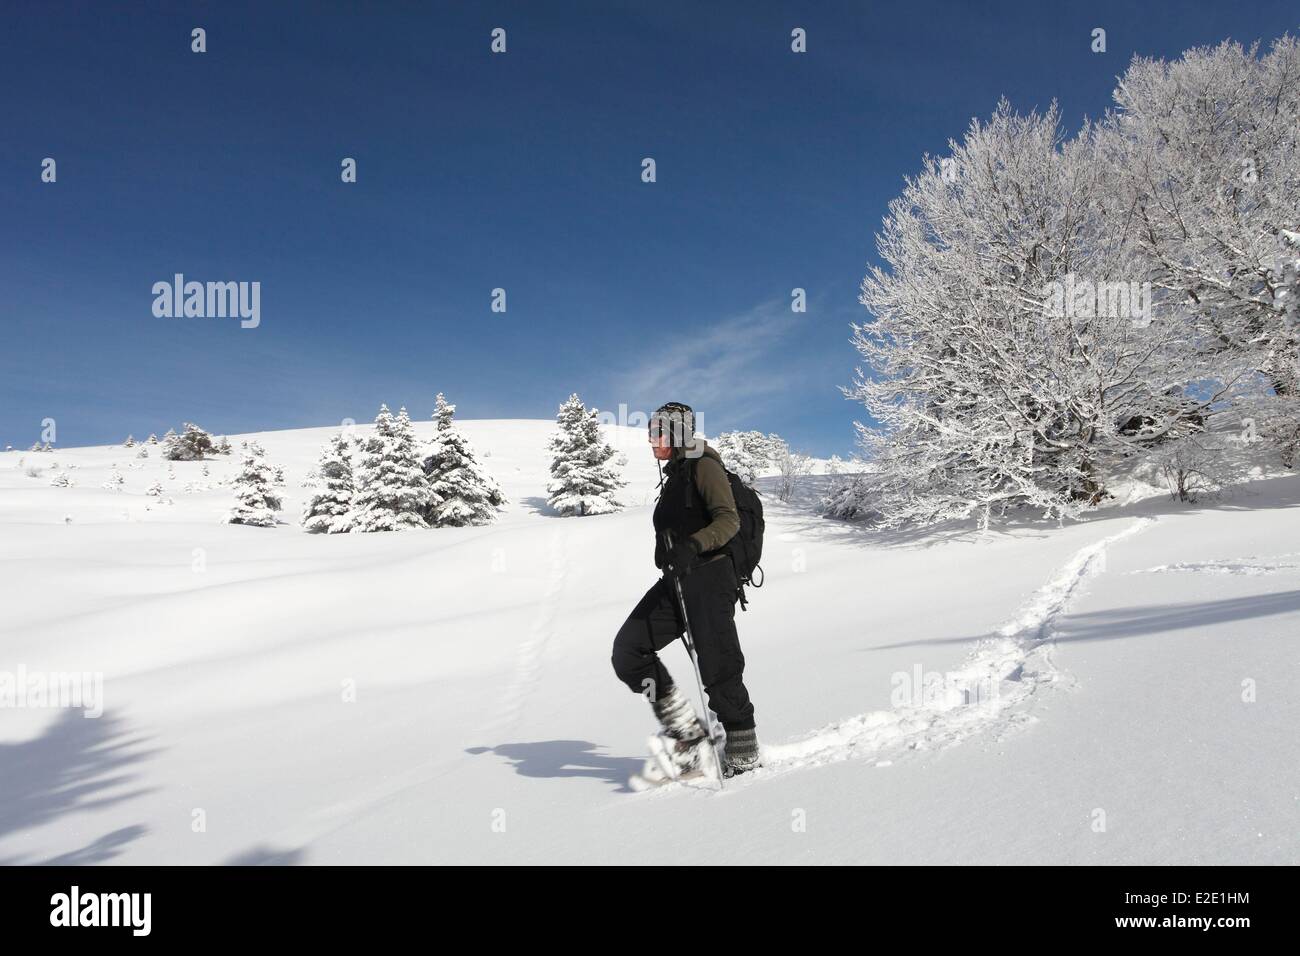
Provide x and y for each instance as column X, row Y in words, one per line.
column 689, row 640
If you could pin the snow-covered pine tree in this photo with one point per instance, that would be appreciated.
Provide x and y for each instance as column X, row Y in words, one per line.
column 738, row 452
column 256, row 501
column 62, row 480
column 130, row 441
column 328, row 510
column 749, row 454
column 191, row 445
column 584, row 479
column 115, row 481
column 463, row 493
column 392, row 492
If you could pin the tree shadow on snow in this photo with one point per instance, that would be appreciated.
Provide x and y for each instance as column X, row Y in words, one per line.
column 538, row 505
column 101, row 850
column 76, row 764
column 1145, row 619
column 806, row 523
column 1159, row 618
column 263, row 855
column 566, row 758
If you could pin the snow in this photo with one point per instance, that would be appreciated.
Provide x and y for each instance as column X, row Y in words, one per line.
column 446, row 695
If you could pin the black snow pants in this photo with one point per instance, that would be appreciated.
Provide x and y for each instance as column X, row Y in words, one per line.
column 709, row 591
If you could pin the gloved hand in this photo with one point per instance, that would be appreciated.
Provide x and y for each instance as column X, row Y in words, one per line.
column 682, row 554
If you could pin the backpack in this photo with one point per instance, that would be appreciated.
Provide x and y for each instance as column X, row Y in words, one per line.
column 746, row 546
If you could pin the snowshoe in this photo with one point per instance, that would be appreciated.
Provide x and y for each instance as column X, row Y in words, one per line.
column 676, row 761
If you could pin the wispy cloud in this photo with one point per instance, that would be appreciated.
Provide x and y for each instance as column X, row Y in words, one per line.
column 728, row 369
column 731, row 370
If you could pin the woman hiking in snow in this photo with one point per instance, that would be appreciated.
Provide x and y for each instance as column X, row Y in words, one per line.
column 697, row 509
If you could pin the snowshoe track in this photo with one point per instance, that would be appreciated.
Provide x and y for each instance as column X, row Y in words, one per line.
column 1252, row 566
column 1015, row 661
column 528, row 659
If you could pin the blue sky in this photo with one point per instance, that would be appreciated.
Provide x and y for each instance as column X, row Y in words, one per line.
column 478, row 171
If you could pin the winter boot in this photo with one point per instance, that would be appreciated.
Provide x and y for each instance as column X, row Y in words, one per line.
column 742, row 752
column 681, row 725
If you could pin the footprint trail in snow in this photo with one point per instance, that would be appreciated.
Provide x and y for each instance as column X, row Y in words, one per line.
column 1007, row 668
column 528, row 660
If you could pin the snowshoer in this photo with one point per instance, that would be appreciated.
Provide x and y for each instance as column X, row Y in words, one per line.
column 698, row 510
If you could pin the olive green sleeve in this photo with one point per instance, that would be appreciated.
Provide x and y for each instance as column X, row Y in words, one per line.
column 715, row 489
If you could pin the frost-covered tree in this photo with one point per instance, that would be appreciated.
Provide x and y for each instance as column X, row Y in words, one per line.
column 584, row 477
column 62, row 480
column 1015, row 355
column 392, row 493
column 223, row 446
column 463, row 493
column 1288, row 293
column 115, row 481
column 256, row 500
column 329, row 509
column 1206, row 163
column 155, row 490
column 144, row 452
column 130, row 442
column 791, row 467
column 1195, row 467
column 191, row 445
column 153, row 439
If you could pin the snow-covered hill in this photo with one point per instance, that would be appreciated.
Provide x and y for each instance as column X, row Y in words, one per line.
column 1119, row 690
